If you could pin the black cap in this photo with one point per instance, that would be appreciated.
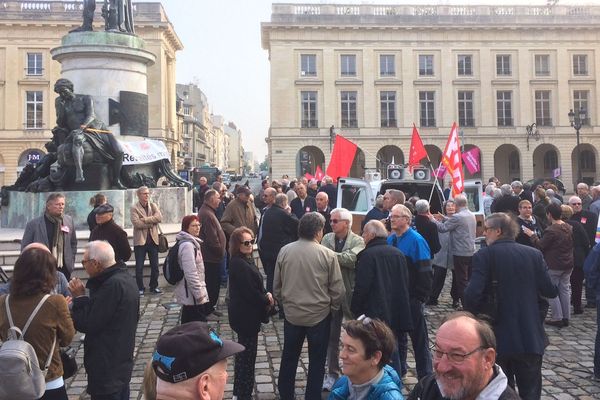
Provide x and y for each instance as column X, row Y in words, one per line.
column 188, row 350
column 104, row 208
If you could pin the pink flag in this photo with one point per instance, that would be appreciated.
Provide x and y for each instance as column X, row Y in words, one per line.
column 451, row 159
column 440, row 172
column 471, row 159
column 308, row 176
column 556, row 172
column 319, row 175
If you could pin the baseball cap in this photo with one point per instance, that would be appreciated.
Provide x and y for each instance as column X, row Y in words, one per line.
column 188, row 350
column 104, row 208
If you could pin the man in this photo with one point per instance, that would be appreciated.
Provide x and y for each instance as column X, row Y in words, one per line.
column 291, row 192
column 589, row 220
column 279, row 227
column 302, row 204
column 520, row 192
column 591, row 269
column 427, row 228
column 376, row 213
column 523, row 279
column 109, row 318
column 268, row 199
column 56, row 231
column 390, row 199
column 346, row 245
column 382, row 282
column 145, row 217
column 583, row 191
column 212, row 246
column 309, row 284
column 239, row 212
column 462, row 228
column 418, row 258
column 323, row 208
column 202, row 189
column 464, row 366
column 328, row 187
column 190, row 362
column 507, row 202
column 528, row 220
column 313, row 189
column 595, row 205
column 107, row 229
column 260, row 198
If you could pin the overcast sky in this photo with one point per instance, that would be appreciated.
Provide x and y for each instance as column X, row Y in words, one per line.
column 223, row 55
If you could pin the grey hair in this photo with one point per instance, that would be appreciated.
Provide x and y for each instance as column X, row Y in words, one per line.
column 54, row 196
column 550, row 193
column 281, row 200
column 506, row 189
column 576, row 198
column 379, row 201
column 322, row 194
column 102, row 252
column 217, row 186
column 141, row 188
column 516, row 184
column 377, row 228
column 310, row 225
column 344, row 214
column 398, row 195
column 489, row 188
column 328, row 180
column 583, row 185
column 497, row 193
column 460, row 200
column 505, row 223
column 269, row 191
column 404, row 211
column 422, row 206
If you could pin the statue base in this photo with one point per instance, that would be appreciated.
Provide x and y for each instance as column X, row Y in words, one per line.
column 174, row 204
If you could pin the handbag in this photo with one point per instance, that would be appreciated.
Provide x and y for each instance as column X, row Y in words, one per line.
column 489, row 308
column 69, row 363
column 163, row 243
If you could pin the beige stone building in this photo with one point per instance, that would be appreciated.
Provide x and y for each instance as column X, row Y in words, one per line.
column 372, row 71
column 28, row 31
column 236, row 151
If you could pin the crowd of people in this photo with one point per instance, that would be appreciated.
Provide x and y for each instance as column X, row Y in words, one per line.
column 356, row 297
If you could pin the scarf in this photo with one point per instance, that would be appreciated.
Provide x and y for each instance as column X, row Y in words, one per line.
column 58, row 244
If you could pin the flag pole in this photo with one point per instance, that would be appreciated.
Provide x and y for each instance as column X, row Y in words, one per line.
column 436, row 179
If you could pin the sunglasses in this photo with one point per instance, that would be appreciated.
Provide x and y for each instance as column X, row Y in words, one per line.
column 248, row 242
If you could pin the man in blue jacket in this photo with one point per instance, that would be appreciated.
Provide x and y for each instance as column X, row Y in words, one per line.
column 591, row 269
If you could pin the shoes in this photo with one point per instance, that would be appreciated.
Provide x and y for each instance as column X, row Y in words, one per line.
column 141, row 292
column 155, row 291
column 217, row 313
column 455, row 304
column 578, row 311
column 431, row 302
column 565, row 322
column 328, row 382
column 558, row 323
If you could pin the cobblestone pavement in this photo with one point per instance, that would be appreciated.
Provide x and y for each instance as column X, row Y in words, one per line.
column 567, row 369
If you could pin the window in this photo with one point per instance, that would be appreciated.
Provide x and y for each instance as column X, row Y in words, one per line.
column 542, row 65
column 427, row 108
column 187, row 110
column 34, row 64
column 349, row 110
column 348, row 67
column 308, row 65
column 388, row 109
column 542, row 108
column 504, row 108
column 425, row 65
column 580, row 100
column 465, row 108
column 550, row 160
column 34, row 106
column 465, row 65
column 354, row 198
column 309, row 110
column 503, row 64
column 580, row 64
column 514, row 164
column 387, row 65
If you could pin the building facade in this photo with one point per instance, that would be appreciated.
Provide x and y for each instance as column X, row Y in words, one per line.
column 507, row 75
column 28, row 31
column 196, row 126
column 236, row 151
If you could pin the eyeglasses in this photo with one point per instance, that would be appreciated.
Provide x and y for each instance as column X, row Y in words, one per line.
column 86, row 261
column 453, row 357
column 575, row 204
column 248, row 242
column 398, row 216
column 335, row 221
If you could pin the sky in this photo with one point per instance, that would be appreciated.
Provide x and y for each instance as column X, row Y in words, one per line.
column 223, row 55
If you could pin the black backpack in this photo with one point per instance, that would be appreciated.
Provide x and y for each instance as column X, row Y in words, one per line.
column 171, row 269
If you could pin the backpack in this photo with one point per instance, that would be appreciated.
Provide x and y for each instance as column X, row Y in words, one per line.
column 171, row 269
column 20, row 373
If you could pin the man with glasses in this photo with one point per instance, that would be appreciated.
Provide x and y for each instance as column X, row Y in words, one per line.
column 464, row 356
column 523, row 278
column 347, row 245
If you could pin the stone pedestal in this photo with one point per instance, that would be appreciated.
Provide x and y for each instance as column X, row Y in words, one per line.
column 102, row 64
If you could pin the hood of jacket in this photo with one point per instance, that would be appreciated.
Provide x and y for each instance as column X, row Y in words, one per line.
column 186, row 237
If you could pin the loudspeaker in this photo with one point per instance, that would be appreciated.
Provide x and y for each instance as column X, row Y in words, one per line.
column 395, row 171
column 421, row 174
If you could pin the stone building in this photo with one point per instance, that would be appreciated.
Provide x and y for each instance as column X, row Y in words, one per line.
column 372, row 71
column 236, row 151
column 28, row 31
column 196, row 126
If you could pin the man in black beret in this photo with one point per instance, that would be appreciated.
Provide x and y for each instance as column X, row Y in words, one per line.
column 106, row 229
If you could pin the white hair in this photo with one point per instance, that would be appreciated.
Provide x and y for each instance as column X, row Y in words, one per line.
column 422, row 206
column 344, row 214
column 377, row 228
column 102, row 252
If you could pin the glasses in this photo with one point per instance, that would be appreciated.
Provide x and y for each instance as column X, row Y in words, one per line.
column 575, row 204
column 398, row 216
column 336, row 221
column 452, row 356
column 86, row 261
column 248, row 242
column 145, row 193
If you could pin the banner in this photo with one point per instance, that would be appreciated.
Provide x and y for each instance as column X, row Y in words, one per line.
column 556, row 172
column 143, row 152
column 417, row 150
column 342, row 157
column 452, row 161
column 440, row 172
column 471, row 159
column 309, row 176
column 319, row 175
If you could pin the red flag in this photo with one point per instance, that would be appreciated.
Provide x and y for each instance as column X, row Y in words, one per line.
column 319, row 175
column 342, row 157
column 417, row 150
column 452, row 160
column 308, row 176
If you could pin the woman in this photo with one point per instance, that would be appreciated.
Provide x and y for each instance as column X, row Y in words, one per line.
column 191, row 292
column 442, row 262
column 34, row 277
column 95, row 201
column 248, row 306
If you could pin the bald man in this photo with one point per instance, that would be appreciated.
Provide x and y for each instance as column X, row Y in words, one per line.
column 323, row 208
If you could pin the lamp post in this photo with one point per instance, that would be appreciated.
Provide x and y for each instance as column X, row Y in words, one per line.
column 331, row 137
column 577, row 120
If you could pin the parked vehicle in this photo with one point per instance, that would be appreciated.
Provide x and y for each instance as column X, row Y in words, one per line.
column 540, row 181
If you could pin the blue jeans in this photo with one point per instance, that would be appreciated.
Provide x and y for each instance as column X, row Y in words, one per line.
column 597, row 346
column 140, row 256
column 419, row 339
column 293, row 339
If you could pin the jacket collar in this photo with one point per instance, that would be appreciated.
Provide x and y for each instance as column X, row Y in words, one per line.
column 377, row 242
column 98, row 280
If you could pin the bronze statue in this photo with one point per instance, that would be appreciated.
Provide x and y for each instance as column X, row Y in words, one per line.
column 77, row 126
column 117, row 14
column 89, row 6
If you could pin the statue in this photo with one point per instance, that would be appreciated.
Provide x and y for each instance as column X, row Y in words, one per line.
column 117, row 14
column 77, row 126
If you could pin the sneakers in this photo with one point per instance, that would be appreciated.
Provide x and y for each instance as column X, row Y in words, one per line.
column 558, row 323
column 141, row 292
column 155, row 291
column 328, row 382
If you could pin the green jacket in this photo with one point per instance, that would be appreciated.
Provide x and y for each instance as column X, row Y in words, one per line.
column 347, row 260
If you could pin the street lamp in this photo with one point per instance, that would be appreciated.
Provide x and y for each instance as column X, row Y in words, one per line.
column 577, row 121
column 332, row 134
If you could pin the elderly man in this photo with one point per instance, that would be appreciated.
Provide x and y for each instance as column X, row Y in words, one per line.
column 190, row 362
column 324, row 209
column 520, row 192
column 240, row 212
column 375, row 213
column 390, row 199
column 583, row 191
column 382, row 282
column 56, row 231
column 507, row 202
column 589, row 220
column 309, row 284
column 109, row 318
column 426, row 227
column 312, row 188
column 523, row 279
column 464, row 366
column 347, row 245
column 145, row 217
column 595, row 205
column 328, row 187
column 303, row 203
column 107, row 229
column 462, row 226
column 418, row 258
